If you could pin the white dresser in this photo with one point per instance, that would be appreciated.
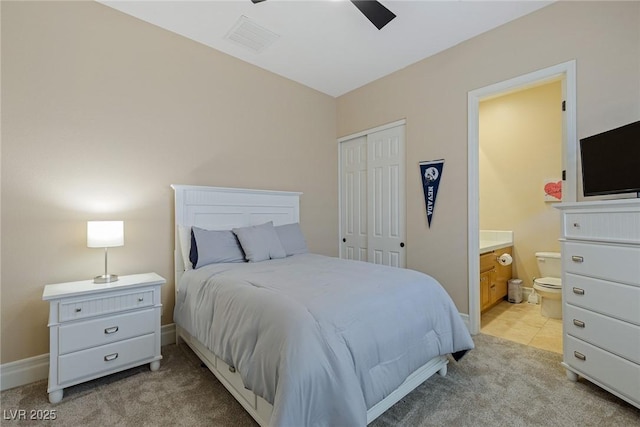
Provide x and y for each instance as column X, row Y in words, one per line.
column 98, row 329
column 601, row 294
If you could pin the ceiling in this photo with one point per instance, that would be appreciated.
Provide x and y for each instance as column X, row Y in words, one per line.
column 329, row 45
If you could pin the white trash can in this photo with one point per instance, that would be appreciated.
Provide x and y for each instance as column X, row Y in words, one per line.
column 515, row 291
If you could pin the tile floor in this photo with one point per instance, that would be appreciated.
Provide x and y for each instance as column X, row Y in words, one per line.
column 523, row 323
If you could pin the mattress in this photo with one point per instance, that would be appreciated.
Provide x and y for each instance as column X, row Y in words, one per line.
column 322, row 339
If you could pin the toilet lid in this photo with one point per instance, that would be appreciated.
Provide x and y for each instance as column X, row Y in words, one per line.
column 549, row 282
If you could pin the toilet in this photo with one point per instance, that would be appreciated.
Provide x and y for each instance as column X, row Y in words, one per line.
column 549, row 285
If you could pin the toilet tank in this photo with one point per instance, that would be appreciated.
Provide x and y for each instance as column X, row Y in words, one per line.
column 549, row 264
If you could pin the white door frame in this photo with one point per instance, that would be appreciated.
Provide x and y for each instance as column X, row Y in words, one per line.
column 347, row 138
column 566, row 71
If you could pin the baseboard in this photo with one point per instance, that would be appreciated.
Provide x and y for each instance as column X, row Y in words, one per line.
column 25, row 371
column 465, row 319
column 32, row 369
column 168, row 334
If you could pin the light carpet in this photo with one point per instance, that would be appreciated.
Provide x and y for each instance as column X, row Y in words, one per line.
column 500, row 383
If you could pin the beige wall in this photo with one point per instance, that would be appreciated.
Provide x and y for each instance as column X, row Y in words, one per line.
column 101, row 113
column 520, row 150
column 603, row 38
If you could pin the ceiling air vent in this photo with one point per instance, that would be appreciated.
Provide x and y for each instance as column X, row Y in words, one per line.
column 251, row 35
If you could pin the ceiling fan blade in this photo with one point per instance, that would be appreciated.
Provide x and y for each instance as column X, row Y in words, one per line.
column 374, row 11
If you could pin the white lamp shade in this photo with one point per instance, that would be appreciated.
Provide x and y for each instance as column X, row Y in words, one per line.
column 105, row 234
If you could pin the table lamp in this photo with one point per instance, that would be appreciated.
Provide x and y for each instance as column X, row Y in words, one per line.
column 105, row 234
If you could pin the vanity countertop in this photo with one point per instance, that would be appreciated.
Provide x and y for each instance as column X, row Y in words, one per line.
column 492, row 240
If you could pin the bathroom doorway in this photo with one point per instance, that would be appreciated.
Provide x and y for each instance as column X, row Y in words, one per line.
column 520, row 156
column 564, row 74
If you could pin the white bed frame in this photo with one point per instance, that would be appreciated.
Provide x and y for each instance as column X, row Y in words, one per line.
column 217, row 208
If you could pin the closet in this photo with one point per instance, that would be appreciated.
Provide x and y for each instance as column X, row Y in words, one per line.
column 372, row 196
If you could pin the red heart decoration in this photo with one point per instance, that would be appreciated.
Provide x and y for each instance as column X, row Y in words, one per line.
column 554, row 189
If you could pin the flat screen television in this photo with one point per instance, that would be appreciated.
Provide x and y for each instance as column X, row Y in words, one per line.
column 611, row 161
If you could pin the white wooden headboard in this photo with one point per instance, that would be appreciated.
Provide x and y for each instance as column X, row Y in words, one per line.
column 218, row 208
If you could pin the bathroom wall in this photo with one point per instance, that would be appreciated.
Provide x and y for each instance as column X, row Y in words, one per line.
column 520, row 151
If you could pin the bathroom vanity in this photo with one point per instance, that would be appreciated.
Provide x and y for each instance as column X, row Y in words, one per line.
column 493, row 275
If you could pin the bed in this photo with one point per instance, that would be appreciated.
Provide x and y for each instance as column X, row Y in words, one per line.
column 303, row 339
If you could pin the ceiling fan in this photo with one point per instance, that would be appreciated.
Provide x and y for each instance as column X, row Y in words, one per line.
column 373, row 10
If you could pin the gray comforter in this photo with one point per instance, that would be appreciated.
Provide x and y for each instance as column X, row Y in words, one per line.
column 322, row 339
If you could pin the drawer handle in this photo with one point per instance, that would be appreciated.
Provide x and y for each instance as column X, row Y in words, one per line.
column 140, row 299
column 110, row 357
column 579, row 355
column 578, row 291
column 78, row 310
column 578, row 323
column 111, row 330
column 576, row 258
column 232, row 369
column 576, row 225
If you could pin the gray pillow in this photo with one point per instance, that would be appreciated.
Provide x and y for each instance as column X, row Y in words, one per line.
column 260, row 242
column 209, row 247
column 292, row 239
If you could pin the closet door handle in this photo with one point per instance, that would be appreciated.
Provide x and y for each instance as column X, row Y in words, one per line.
column 402, row 244
column 344, row 240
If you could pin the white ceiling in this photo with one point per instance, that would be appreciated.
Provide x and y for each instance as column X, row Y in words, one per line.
column 329, row 45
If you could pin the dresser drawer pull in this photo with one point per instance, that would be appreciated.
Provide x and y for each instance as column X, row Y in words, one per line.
column 111, row 330
column 232, row 369
column 579, row 355
column 578, row 291
column 576, row 258
column 140, row 299
column 110, row 357
column 576, row 225
column 78, row 310
column 578, row 323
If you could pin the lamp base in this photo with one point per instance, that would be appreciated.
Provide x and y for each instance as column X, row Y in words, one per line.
column 105, row 278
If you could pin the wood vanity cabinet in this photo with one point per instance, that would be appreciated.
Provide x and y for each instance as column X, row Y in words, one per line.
column 493, row 278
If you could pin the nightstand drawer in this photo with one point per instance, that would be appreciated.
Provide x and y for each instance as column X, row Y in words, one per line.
column 88, row 307
column 596, row 329
column 101, row 360
column 91, row 333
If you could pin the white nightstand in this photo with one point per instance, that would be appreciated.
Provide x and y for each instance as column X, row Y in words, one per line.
column 98, row 329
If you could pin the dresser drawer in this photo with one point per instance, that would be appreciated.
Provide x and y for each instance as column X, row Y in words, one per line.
column 101, row 360
column 76, row 336
column 618, row 263
column 604, row 226
column 613, row 299
column 231, row 375
column 611, row 370
column 81, row 308
column 596, row 329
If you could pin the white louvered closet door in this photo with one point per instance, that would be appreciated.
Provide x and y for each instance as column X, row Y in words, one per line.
column 373, row 197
